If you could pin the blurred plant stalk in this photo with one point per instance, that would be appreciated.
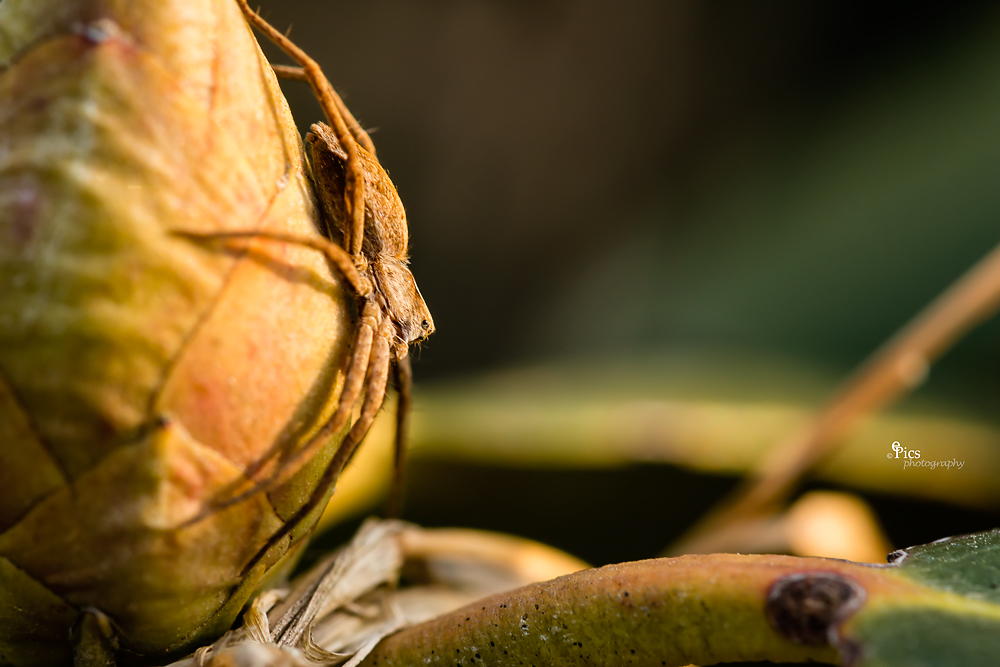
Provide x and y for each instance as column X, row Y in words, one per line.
column 892, row 371
column 140, row 373
column 709, row 411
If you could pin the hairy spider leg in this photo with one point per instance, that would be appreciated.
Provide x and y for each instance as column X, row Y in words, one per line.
column 331, row 104
column 364, row 358
column 287, row 464
column 377, row 378
column 299, row 74
column 333, row 252
column 377, row 375
column 403, row 376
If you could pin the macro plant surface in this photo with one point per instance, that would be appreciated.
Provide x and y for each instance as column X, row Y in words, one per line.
column 143, row 374
column 934, row 605
column 931, row 605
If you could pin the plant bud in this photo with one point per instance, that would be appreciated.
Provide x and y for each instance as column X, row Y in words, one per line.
column 141, row 372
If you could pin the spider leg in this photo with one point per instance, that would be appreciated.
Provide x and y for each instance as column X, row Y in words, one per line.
column 367, row 356
column 331, row 103
column 288, row 459
column 333, row 252
column 290, row 72
column 403, row 375
column 360, row 135
column 378, row 375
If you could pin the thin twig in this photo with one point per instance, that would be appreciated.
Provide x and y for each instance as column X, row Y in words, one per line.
column 897, row 367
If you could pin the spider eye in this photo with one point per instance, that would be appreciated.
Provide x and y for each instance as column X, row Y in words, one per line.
column 425, row 325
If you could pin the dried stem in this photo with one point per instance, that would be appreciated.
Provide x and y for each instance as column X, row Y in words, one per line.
column 899, row 366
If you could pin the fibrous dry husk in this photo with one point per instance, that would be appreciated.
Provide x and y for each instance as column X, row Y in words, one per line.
column 340, row 610
column 141, row 372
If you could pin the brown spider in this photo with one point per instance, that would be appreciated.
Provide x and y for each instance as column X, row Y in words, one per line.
column 360, row 204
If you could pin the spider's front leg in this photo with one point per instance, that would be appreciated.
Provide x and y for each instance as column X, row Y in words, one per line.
column 360, row 136
column 333, row 252
column 377, row 374
column 367, row 354
column 331, row 105
column 378, row 377
column 289, row 460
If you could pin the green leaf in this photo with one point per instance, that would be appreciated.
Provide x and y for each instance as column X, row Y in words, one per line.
column 956, row 622
column 968, row 565
column 928, row 637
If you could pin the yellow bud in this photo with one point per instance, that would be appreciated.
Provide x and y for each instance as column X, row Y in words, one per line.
column 141, row 371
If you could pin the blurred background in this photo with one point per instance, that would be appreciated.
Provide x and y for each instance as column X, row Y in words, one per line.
column 655, row 235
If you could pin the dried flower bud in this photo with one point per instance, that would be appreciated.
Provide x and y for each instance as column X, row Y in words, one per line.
column 141, row 372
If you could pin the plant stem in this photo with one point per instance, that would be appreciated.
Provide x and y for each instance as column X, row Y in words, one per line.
column 896, row 368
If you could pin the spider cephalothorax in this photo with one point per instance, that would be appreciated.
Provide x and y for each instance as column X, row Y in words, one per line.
column 384, row 248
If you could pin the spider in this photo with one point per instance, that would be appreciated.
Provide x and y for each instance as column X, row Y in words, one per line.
column 360, row 204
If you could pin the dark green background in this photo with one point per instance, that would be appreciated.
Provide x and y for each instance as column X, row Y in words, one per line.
column 592, row 179
column 586, row 177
